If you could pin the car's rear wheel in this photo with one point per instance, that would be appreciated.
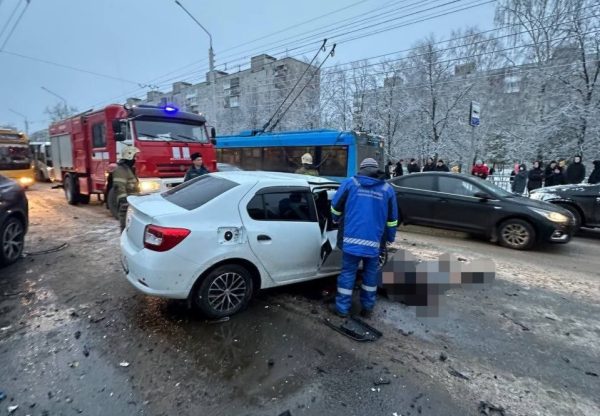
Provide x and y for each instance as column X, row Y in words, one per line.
column 516, row 234
column 575, row 213
column 12, row 240
column 224, row 291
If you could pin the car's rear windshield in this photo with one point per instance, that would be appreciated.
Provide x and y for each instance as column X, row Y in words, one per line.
column 197, row 192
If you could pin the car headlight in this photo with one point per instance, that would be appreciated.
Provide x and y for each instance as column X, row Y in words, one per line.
column 551, row 215
column 149, row 186
column 25, row 181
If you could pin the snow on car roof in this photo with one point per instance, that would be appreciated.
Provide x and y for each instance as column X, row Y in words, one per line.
column 289, row 178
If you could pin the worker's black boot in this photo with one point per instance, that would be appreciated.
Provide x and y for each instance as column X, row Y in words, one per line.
column 333, row 309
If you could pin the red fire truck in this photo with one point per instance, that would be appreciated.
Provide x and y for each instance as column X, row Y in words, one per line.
column 86, row 147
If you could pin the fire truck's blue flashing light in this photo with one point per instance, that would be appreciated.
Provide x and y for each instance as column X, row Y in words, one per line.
column 170, row 109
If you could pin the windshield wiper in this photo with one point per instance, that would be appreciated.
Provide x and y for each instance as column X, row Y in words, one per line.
column 148, row 135
column 188, row 138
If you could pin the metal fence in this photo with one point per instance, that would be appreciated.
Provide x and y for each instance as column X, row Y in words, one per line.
column 502, row 180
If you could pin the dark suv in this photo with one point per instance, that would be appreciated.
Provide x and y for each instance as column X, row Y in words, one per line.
column 583, row 201
column 13, row 220
column 466, row 203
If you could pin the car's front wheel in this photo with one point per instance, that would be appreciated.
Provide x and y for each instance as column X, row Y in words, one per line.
column 516, row 234
column 12, row 240
column 224, row 291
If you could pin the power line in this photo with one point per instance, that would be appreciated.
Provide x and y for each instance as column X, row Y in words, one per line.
column 10, row 18
column 418, row 21
column 322, row 48
column 449, row 40
column 72, row 68
column 266, row 36
column 14, row 26
column 471, row 35
column 402, row 25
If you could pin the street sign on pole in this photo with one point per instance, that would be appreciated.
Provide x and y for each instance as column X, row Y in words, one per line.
column 474, row 114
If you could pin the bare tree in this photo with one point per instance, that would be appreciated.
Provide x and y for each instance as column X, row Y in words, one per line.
column 59, row 111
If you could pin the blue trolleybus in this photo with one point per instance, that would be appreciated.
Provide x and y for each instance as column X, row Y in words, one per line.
column 336, row 154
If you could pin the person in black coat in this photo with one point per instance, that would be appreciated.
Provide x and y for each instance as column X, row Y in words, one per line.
column 429, row 166
column 576, row 171
column 595, row 175
column 535, row 177
column 441, row 166
column 413, row 166
column 556, row 178
column 520, row 180
column 549, row 170
column 389, row 170
column 197, row 168
column 399, row 171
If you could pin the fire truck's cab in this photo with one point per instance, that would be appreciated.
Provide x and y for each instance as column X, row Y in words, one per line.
column 85, row 148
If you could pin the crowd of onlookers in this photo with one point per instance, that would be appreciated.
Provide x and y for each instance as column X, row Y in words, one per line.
column 554, row 173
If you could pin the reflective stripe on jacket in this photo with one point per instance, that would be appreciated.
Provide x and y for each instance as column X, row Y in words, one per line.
column 124, row 181
column 368, row 209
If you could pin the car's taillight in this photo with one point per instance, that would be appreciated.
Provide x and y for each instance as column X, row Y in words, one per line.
column 163, row 238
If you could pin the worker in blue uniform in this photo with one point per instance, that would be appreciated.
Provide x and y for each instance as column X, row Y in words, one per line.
column 365, row 206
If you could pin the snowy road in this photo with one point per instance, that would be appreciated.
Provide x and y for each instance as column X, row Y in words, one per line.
column 76, row 338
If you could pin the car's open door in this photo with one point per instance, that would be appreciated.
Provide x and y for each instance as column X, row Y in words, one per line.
column 331, row 255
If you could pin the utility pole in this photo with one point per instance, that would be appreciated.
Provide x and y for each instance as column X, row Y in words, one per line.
column 211, row 62
column 24, row 118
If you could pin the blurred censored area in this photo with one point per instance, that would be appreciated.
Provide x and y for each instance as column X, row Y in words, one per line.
column 423, row 283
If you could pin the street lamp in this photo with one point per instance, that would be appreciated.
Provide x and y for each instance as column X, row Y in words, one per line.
column 55, row 94
column 211, row 55
column 211, row 61
column 24, row 118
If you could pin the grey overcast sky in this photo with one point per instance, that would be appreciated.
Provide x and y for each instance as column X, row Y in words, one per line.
column 153, row 42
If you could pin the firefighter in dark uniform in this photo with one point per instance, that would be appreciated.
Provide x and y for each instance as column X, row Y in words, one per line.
column 125, row 181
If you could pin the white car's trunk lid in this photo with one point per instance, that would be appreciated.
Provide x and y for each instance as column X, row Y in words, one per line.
column 143, row 210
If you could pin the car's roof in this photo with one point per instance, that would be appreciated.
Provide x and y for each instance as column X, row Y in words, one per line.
column 291, row 179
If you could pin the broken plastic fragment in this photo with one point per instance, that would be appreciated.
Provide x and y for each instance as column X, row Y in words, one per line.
column 124, row 364
column 11, row 409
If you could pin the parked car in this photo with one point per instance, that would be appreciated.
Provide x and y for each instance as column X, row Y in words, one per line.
column 14, row 220
column 469, row 204
column 583, row 201
column 227, row 167
column 221, row 237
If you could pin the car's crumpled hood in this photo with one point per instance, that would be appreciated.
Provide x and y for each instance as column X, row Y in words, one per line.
column 534, row 203
column 154, row 205
column 564, row 189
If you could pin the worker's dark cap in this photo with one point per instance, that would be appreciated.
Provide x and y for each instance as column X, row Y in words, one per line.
column 195, row 156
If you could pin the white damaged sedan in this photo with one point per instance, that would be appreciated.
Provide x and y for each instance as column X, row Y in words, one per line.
column 221, row 237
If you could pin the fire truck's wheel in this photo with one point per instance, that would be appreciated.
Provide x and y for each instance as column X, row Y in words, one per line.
column 111, row 203
column 71, row 191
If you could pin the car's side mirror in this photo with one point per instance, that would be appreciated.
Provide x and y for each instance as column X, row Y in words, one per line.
column 482, row 195
column 117, row 128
